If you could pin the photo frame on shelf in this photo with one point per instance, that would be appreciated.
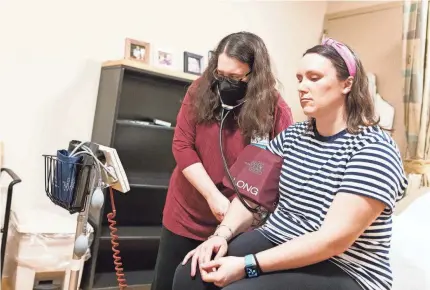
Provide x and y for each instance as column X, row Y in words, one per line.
column 165, row 58
column 193, row 63
column 137, row 50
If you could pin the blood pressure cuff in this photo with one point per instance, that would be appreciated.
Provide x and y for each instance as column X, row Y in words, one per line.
column 256, row 174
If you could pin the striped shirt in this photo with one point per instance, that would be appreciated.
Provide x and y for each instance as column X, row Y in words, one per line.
column 315, row 168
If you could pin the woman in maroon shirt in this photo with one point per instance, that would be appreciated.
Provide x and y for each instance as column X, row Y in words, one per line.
column 238, row 75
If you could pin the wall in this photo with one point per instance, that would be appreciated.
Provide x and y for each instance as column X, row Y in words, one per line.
column 342, row 6
column 377, row 38
column 50, row 63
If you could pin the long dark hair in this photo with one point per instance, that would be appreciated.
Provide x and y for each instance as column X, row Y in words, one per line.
column 256, row 115
column 360, row 109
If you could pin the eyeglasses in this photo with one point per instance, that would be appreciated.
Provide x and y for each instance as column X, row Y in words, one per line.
column 232, row 80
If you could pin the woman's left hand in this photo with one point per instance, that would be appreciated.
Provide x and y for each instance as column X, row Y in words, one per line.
column 223, row 271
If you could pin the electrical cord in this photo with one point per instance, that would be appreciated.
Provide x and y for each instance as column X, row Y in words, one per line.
column 87, row 150
column 122, row 284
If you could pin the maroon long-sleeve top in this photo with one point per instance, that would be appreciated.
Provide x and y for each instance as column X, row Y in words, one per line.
column 186, row 212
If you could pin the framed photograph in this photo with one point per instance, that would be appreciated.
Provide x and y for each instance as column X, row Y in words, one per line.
column 137, row 50
column 193, row 63
column 164, row 58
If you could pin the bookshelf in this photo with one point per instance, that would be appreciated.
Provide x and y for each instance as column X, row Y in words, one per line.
column 130, row 95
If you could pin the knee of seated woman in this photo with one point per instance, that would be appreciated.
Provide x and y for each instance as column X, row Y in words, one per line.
column 182, row 277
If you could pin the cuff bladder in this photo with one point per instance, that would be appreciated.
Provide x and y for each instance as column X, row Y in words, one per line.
column 256, row 174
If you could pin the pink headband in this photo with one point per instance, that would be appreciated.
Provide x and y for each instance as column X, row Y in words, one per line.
column 344, row 52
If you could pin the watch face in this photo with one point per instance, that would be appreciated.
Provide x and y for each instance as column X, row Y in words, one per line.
column 251, row 272
column 251, row 268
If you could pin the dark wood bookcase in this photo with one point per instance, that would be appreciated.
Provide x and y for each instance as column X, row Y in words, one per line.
column 130, row 91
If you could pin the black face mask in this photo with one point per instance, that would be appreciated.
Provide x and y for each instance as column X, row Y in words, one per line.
column 231, row 93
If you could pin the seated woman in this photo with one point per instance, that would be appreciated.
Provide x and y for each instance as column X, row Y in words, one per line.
column 341, row 178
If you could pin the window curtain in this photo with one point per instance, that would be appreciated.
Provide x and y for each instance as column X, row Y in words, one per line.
column 416, row 73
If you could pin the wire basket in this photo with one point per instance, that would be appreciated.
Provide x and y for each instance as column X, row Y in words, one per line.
column 68, row 183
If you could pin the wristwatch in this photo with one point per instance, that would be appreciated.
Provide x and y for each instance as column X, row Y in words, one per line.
column 252, row 269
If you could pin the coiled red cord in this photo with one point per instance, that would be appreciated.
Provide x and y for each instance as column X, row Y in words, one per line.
column 117, row 259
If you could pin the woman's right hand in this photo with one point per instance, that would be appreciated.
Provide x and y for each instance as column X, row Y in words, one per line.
column 219, row 205
column 203, row 253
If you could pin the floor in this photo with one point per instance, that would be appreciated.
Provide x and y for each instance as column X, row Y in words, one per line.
column 5, row 286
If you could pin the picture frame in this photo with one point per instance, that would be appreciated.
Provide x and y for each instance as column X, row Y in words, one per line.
column 165, row 58
column 193, row 63
column 137, row 50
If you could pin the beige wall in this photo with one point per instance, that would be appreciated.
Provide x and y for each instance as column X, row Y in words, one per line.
column 377, row 38
column 52, row 51
column 342, row 6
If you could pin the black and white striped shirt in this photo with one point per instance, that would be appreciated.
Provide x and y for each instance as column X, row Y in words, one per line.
column 315, row 169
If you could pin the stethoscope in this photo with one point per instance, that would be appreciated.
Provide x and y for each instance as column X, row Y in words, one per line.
column 225, row 110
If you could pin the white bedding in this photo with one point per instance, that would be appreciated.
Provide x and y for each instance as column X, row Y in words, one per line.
column 410, row 249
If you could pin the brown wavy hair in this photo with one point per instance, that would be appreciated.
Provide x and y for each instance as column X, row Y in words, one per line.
column 256, row 116
column 360, row 110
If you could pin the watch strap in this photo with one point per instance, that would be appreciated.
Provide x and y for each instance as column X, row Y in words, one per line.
column 258, row 265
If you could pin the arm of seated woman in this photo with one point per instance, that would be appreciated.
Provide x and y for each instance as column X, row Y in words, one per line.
column 379, row 168
column 347, row 218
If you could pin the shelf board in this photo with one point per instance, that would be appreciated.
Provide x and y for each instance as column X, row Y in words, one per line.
column 151, row 69
column 132, row 233
column 137, row 124
column 148, row 180
column 136, row 280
